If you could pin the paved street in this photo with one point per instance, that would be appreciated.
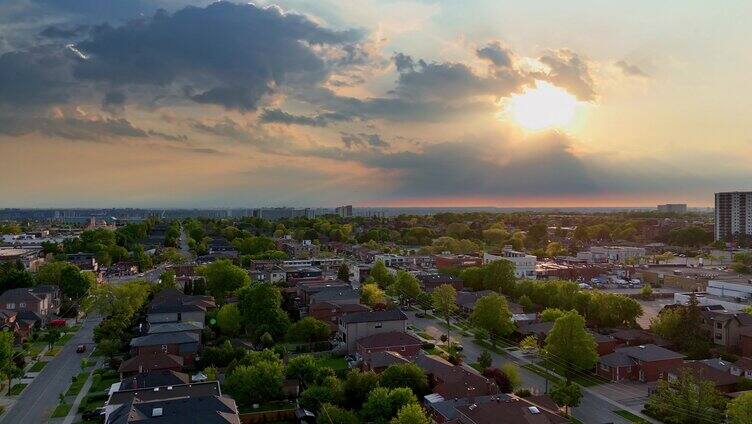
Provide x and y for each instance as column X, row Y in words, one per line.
column 592, row 410
column 37, row 402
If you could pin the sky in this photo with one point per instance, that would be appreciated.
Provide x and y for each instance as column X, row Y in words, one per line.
column 180, row 103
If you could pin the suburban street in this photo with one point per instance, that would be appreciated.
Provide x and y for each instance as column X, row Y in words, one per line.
column 39, row 399
column 593, row 408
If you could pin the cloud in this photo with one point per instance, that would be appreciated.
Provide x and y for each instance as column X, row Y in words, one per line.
column 278, row 116
column 35, row 78
column 447, row 81
column 629, row 69
column 498, row 55
column 72, row 128
column 64, row 32
column 241, row 53
column 569, row 71
column 352, row 140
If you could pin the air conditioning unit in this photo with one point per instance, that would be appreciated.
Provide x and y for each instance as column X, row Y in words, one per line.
column 157, row 412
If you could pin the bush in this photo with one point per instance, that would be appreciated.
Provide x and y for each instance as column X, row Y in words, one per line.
column 523, row 393
column 427, row 345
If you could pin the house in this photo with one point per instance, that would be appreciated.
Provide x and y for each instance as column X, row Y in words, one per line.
column 538, row 329
column 724, row 381
column 52, row 293
column 355, row 326
column 306, row 289
column 176, row 327
column 724, row 326
column 513, row 409
column 466, row 300
column 330, row 313
column 150, row 362
column 606, row 343
column 25, row 300
column 454, row 381
column 182, row 403
column 184, row 344
column 429, row 282
column 171, row 305
column 395, row 341
column 9, row 323
column 379, row 361
column 447, row 411
column 745, row 341
column 742, row 367
column 335, row 295
column 637, row 337
column 645, row 363
column 457, row 261
column 84, row 261
column 147, row 380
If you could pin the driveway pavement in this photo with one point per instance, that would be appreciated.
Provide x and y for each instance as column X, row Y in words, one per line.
column 36, row 403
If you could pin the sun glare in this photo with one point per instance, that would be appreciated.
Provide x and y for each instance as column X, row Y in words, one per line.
column 545, row 106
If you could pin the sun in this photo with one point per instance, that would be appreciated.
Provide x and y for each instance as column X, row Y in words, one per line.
column 543, row 107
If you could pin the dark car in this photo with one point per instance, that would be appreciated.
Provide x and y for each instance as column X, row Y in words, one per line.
column 81, row 348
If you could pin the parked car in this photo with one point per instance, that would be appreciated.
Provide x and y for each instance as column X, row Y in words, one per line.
column 57, row 323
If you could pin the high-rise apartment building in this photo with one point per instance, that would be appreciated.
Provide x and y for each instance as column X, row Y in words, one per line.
column 344, row 211
column 733, row 214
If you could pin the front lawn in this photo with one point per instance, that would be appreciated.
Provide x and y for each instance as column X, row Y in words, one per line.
column 17, row 389
column 102, row 382
column 53, row 352
column 61, row 410
column 36, row 348
column 64, row 339
column 38, row 366
column 333, row 362
column 583, row 378
column 630, row 417
column 76, row 386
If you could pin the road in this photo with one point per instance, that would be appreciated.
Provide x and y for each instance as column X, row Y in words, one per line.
column 592, row 409
column 36, row 403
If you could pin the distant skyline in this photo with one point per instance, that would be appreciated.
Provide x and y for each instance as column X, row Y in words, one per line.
column 195, row 104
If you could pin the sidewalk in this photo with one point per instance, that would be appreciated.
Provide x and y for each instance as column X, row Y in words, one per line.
column 82, row 394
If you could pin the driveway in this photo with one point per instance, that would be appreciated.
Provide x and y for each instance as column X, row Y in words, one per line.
column 36, row 403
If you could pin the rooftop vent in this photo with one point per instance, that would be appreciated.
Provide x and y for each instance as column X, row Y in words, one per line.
column 473, row 406
column 533, row 410
column 157, row 412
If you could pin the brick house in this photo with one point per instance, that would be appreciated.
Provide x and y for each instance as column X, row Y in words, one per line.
column 454, row 381
column 724, row 327
column 645, row 363
column 355, row 326
column 429, row 282
column 724, row 382
column 183, row 344
column 397, row 341
column 330, row 313
column 171, row 305
column 150, row 362
column 25, row 300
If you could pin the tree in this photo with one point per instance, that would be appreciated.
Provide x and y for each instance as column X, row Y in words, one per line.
column 529, row 343
column 555, row 249
column 501, row 379
column 646, row 292
column 382, row 403
column 53, row 335
column 444, row 300
column 570, row 345
column 491, row 313
column 405, row 375
column 7, row 366
column 381, row 275
column 330, row 414
column 167, row 280
column 50, row 272
column 405, row 286
column 484, row 359
column 11, row 371
column 551, row 314
column 343, row 273
column 222, row 277
column 411, row 414
column 257, row 383
column 304, row 368
column 109, row 347
column 739, row 410
column 499, row 276
column 371, row 294
column 526, row 303
column 513, row 374
column 686, row 400
column 228, row 320
column 260, row 307
column 313, row 397
column 567, row 395
column 309, row 330
column 357, row 386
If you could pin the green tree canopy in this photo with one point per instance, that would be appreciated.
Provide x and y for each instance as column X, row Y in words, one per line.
column 222, row 278
column 405, row 375
column 260, row 307
column 571, row 345
column 228, row 320
column 491, row 313
column 444, row 300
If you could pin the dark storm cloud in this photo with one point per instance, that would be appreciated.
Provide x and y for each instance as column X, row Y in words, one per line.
column 70, row 128
column 113, row 101
column 230, row 54
column 64, row 32
column 421, row 80
column 278, row 116
column 629, row 69
column 498, row 55
column 569, row 71
column 35, row 78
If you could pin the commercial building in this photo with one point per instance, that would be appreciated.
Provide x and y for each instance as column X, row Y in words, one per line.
column 604, row 254
column 731, row 214
column 673, row 208
column 524, row 264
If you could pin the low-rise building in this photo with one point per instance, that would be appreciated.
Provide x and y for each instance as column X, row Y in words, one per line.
column 645, row 363
column 355, row 326
column 524, row 264
column 401, row 342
